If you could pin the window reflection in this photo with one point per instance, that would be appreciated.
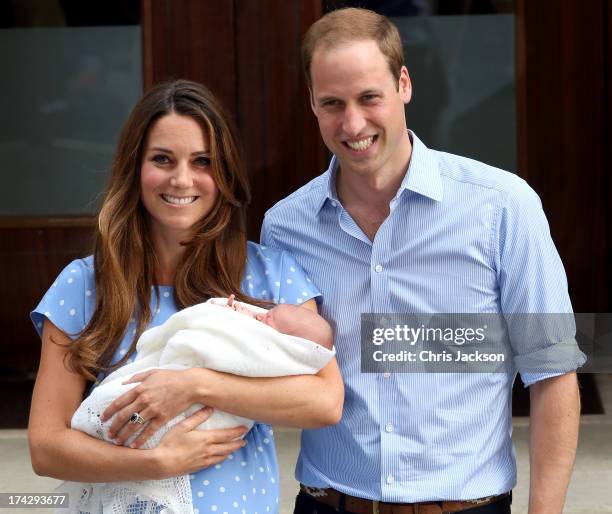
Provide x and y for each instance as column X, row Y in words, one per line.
column 460, row 56
column 69, row 83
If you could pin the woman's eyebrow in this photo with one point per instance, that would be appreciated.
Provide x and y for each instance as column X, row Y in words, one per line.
column 167, row 150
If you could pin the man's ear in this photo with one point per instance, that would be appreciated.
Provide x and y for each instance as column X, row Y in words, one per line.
column 312, row 103
column 405, row 85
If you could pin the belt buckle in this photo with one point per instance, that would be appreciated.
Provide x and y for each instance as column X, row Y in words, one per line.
column 478, row 501
column 375, row 507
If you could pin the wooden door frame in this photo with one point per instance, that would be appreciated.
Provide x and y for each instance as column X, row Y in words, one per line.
column 564, row 136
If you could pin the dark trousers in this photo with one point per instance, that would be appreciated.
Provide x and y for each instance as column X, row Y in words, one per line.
column 305, row 504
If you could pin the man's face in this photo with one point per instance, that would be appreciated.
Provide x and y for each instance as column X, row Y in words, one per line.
column 360, row 107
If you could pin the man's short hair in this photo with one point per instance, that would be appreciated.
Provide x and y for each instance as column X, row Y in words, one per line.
column 353, row 24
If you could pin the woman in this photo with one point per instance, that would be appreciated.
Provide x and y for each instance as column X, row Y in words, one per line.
column 171, row 233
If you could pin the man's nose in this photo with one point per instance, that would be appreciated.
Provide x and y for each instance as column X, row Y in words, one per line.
column 182, row 176
column 353, row 121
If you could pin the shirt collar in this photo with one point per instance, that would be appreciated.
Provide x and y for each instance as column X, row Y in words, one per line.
column 328, row 192
column 423, row 175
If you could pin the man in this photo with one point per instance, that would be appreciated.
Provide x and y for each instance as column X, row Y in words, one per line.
column 394, row 227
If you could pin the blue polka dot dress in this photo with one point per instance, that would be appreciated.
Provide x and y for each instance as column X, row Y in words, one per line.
column 247, row 481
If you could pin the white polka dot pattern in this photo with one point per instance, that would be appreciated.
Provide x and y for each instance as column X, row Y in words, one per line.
column 237, row 484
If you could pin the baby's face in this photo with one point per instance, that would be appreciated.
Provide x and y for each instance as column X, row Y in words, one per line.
column 281, row 317
column 269, row 318
column 299, row 322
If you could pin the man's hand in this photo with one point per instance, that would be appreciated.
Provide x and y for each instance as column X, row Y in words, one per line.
column 553, row 438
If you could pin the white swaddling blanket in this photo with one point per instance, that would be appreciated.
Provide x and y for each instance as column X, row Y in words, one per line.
column 208, row 335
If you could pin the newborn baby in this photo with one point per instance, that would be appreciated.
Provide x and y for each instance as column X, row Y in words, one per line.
column 223, row 335
column 290, row 320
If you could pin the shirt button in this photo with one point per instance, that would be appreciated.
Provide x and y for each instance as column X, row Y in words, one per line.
column 378, row 268
column 386, row 375
column 390, row 479
column 334, row 203
column 389, row 427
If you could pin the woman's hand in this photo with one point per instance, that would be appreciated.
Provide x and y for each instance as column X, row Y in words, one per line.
column 184, row 449
column 160, row 396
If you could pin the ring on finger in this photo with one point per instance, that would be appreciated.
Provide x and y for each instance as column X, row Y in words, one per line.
column 136, row 419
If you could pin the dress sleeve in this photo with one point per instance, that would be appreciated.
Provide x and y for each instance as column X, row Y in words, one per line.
column 265, row 236
column 533, row 291
column 295, row 286
column 67, row 303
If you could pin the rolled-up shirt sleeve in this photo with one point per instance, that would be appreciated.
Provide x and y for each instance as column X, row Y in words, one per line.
column 533, row 290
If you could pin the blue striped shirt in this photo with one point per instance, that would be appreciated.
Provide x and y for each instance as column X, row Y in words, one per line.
column 461, row 236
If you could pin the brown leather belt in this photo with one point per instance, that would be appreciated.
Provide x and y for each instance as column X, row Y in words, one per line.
column 356, row 505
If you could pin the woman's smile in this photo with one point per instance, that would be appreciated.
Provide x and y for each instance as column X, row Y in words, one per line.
column 178, row 200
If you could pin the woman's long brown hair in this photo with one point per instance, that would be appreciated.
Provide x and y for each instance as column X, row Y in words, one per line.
column 124, row 258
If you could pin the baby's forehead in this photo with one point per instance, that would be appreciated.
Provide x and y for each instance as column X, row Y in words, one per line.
column 286, row 312
column 286, row 308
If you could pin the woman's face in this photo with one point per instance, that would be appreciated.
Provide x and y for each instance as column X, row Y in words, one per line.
column 176, row 183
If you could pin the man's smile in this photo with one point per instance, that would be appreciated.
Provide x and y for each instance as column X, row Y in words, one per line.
column 362, row 144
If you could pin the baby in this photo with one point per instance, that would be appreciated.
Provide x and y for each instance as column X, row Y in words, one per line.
column 290, row 320
column 220, row 334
